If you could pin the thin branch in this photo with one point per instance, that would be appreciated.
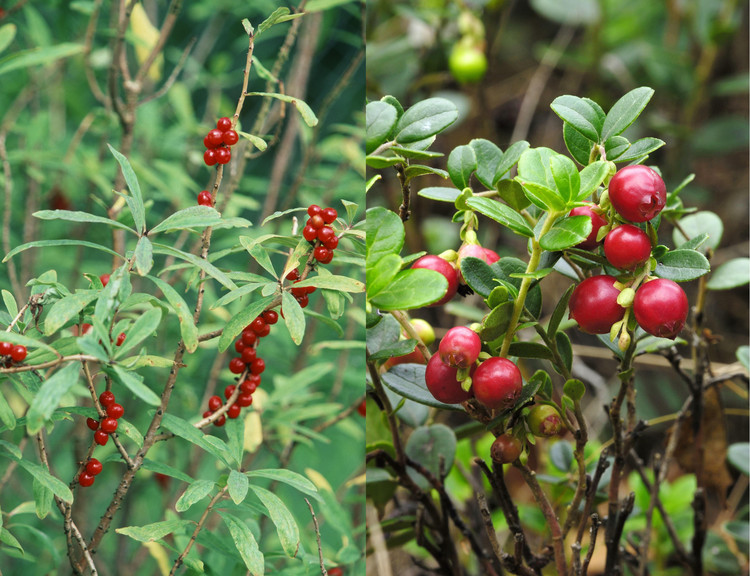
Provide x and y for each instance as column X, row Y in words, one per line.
column 323, row 570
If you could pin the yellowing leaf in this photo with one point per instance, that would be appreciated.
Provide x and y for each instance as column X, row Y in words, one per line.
column 318, row 479
column 253, row 431
column 160, row 555
column 146, row 37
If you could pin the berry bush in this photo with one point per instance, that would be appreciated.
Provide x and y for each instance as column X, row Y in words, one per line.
column 178, row 360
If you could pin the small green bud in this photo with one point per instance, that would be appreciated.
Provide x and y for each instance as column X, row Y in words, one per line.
column 626, row 297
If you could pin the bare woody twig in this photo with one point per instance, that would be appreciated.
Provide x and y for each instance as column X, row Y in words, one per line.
column 323, row 570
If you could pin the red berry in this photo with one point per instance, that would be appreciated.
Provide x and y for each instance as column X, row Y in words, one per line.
column 497, row 383
column 248, row 355
column 101, row 437
column 239, row 345
column 223, row 155
column 293, row 275
column 106, row 398
column 336, row 571
column 92, row 424
column 362, row 411
column 6, row 348
column 249, row 386
column 207, row 413
column 220, row 421
column 121, row 338
column 93, row 466
column 204, row 198
column 215, row 137
column 206, row 142
column 442, row 384
column 229, row 390
column 264, row 332
column 436, row 263
column 214, row 403
column 316, row 222
column 223, row 124
column 506, row 449
column 472, row 251
column 637, row 193
column 270, row 316
column 661, row 308
column 490, row 256
column 237, row 365
column 460, row 347
column 544, row 420
column 108, row 425
column 627, row 247
column 329, row 215
column 234, row 411
column 249, row 337
column 104, row 279
column 321, row 253
column 245, row 399
column 210, row 157
column 257, row 366
column 303, row 300
column 297, row 292
column 18, row 353
column 594, row 306
column 258, row 325
column 115, row 410
column 85, row 479
column 162, row 479
column 309, row 233
column 231, row 137
column 331, row 244
column 325, row 234
column 313, row 210
column 596, row 222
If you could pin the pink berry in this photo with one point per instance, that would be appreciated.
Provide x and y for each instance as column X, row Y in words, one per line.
column 637, row 193
column 661, row 308
column 442, row 384
column 460, row 347
column 497, row 383
column 594, row 306
column 627, row 247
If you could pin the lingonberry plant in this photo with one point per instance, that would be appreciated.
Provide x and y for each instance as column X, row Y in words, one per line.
column 175, row 374
column 595, row 219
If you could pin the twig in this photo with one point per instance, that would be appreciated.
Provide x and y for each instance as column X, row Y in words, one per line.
column 489, row 528
column 323, row 570
column 595, row 523
column 404, row 211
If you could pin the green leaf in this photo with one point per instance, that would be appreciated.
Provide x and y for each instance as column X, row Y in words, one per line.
column 478, row 275
column 10, row 303
column 569, row 12
column 380, row 118
column 577, row 144
column 7, row 33
column 410, row 289
column 581, row 114
column 192, row 217
column 9, row 540
column 575, row 389
column 195, row 492
column 112, row 295
column 640, row 148
column 462, row 162
column 624, row 112
column 211, row 444
column 58, row 487
column 695, row 225
column 238, row 485
column 380, row 276
column 616, row 146
column 408, row 381
column 501, row 213
column 333, row 282
column 188, row 330
column 67, row 308
column 567, row 178
column 49, row 395
column 592, row 177
column 512, row 192
column 256, row 141
column 510, row 159
column 142, row 328
column 245, row 543
column 74, row 216
column 430, row 446
column 682, row 265
column 561, row 455
column 51, row 243
column 440, row 193
column 530, row 350
column 559, row 313
column 144, row 256
column 135, row 199
column 400, row 348
column 566, row 232
column 286, row 526
column 425, row 119
column 134, row 382
column 205, row 265
column 277, row 16
column 415, row 170
column 294, row 318
column 534, row 166
column 731, row 274
column 7, row 416
column 42, row 499
column 293, row 479
column 496, row 323
column 37, row 56
column 543, row 197
column 385, row 234
column 503, row 268
column 239, row 321
column 305, row 111
column 155, row 531
column 260, row 254
column 167, row 470
column 565, row 349
column 488, row 157
column 739, row 456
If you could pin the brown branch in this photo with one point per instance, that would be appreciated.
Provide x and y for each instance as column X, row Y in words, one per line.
column 404, row 211
column 166, row 29
column 595, row 523
column 323, row 570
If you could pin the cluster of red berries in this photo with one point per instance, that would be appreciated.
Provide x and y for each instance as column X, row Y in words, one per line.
column 320, row 234
column 108, row 424
column 248, row 365
column 638, row 194
column 218, row 143
column 301, row 294
column 12, row 353
column 93, row 467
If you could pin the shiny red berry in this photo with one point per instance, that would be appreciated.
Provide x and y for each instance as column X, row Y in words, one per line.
column 6, row 348
column 204, row 199
column 106, row 398
column 92, row 424
column 293, row 275
column 245, row 399
column 248, row 355
column 497, row 383
column 335, row 571
column 362, row 411
column 637, row 193
column 596, row 223
column 93, row 466
column 258, row 366
column 108, row 425
column 490, row 256
column 303, row 300
column 120, row 339
column 313, row 210
column 258, row 325
column 442, row 383
column 104, row 279
column 594, row 306
column 329, row 215
column 18, row 353
column 229, row 390
column 309, row 233
column 214, row 403
column 115, row 410
column 215, row 137
column 321, row 253
column 627, row 247
column 237, row 365
column 220, row 421
column 207, row 413
column 661, row 308
column 506, row 449
column 234, row 411
column 271, row 316
column 101, row 437
column 325, row 234
column 210, row 157
column 249, row 386
column 316, row 222
column 460, row 347
column 85, row 479
column 432, row 262
column 223, row 124
column 231, row 137
column 249, row 337
column 223, row 155
column 331, row 244
column 239, row 345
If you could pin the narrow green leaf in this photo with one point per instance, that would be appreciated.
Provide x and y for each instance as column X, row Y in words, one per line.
column 135, row 200
column 294, row 318
column 145, row 326
column 333, row 282
column 245, row 543
column 624, row 112
column 305, row 111
column 293, row 479
column 205, row 265
column 462, row 162
column 682, row 265
column 66, row 309
column 155, row 531
column 425, row 119
column 501, row 213
column 195, row 492
column 9, row 540
column 256, row 141
column 51, row 243
column 167, row 470
column 38, row 56
column 286, row 526
column 144, row 256
column 134, row 382
column 42, row 499
column 49, row 396
column 559, row 313
column 7, row 416
column 211, row 444
column 7, row 33
column 640, row 148
column 58, row 487
column 192, row 217
column 240, row 320
column 245, row 290
column 188, row 330
column 440, row 193
column 274, row 18
column 74, row 216
column 10, row 303
column 580, row 114
column 238, row 485
column 380, row 118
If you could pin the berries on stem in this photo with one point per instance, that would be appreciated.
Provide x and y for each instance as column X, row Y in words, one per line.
column 661, row 308
column 497, row 383
column 460, row 347
column 594, row 306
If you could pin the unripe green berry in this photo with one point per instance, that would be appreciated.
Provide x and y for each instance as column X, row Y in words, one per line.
column 544, row 421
